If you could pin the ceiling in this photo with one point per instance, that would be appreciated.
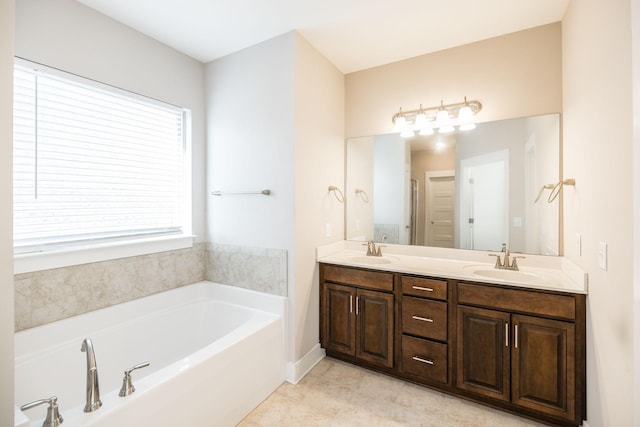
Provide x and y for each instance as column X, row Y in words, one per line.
column 352, row 34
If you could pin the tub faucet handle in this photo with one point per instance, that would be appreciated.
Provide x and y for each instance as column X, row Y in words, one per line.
column 53, row 419
column 127, row 386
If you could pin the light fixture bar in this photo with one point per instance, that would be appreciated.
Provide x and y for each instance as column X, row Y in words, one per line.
column 453, row 109
column 424, row 120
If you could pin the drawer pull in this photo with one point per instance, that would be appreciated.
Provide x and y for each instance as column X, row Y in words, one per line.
column 420, row 288
column 424, row 319
column 420, row 359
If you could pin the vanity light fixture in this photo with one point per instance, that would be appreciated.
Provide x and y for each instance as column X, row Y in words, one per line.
column 443, row 117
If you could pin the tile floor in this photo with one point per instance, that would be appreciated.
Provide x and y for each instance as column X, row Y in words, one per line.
column 334, row 393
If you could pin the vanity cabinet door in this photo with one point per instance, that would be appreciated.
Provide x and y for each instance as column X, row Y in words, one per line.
column 483, row 352
column 339, row 327
column 374, row 314
column 543, row 368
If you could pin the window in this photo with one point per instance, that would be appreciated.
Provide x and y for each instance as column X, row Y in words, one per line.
column 94, row 164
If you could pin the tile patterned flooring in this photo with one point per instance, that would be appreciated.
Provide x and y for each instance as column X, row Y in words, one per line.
column 335, row 393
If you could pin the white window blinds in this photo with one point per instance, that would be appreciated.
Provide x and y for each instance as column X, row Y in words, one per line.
column 93, row 163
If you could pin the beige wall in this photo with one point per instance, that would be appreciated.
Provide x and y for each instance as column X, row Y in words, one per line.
column 6, row 212
column 514, row 75
column 319, row 160
column 597, row 107
column 635, row 54
column 359, row 154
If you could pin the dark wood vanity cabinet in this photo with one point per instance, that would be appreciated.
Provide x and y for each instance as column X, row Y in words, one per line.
column 517, row 349
column 521, row 346
column 357, row 314
column 424, row 326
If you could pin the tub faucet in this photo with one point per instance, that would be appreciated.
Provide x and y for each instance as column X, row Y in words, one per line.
column 93, row 389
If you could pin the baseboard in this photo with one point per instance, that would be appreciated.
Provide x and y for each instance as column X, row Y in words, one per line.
column 297, row 370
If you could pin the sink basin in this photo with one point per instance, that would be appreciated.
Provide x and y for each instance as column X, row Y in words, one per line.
column 373, row 260
column 511, row 275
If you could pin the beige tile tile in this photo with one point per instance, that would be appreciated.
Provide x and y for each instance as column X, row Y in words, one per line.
column 335, row 393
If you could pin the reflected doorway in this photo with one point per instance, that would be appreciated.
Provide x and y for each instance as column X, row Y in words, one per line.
column 440, row 208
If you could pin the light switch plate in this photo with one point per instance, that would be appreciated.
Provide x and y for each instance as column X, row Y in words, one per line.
column 578, row 244
column 327, row 229
column 602, row 255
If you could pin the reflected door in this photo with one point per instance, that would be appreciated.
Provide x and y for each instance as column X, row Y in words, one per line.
column 440, row 205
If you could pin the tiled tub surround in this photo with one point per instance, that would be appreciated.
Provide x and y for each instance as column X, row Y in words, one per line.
column 259, row 269
column 49, row 295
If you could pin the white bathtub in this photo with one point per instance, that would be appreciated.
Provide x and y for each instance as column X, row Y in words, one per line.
column 216, row 352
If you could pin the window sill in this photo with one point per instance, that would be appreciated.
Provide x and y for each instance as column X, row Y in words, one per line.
column 26, row 263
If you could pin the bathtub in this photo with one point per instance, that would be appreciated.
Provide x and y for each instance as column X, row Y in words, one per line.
column 215, row 353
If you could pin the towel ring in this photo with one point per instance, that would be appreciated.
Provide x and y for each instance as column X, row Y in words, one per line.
column 337, row 193
column 544, row 187
column 363, row 195
column 556, row 189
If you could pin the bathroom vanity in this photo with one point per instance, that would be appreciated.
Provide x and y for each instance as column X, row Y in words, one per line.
column 511, row 340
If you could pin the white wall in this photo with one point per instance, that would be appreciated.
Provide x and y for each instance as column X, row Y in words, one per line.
column 389, row 184
column 67, row 35
column 598, row 125
column 6, row 212
column 275, row 119
column 250, row 117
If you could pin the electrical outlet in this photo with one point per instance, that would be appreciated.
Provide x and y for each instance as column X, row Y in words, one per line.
column 578, row 244
column 602, row 255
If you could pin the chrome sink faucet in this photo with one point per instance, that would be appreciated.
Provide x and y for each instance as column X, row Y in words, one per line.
column 93, row 402
column 505, row 264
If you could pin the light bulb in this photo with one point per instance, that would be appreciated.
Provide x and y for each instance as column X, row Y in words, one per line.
column 421, row 120
column 426, row 131
column 466, row 118
column 444, row 122
column 400, row 124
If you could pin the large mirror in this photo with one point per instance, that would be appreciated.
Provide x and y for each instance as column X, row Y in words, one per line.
column 471, row 189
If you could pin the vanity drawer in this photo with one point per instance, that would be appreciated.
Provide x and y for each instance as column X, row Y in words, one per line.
column 425, row 288
column 523, row 301
column 424, row 359
column 361, row 278
column 424, row 318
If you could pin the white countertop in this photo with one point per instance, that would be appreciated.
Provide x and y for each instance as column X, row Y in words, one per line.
column 536, row 271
